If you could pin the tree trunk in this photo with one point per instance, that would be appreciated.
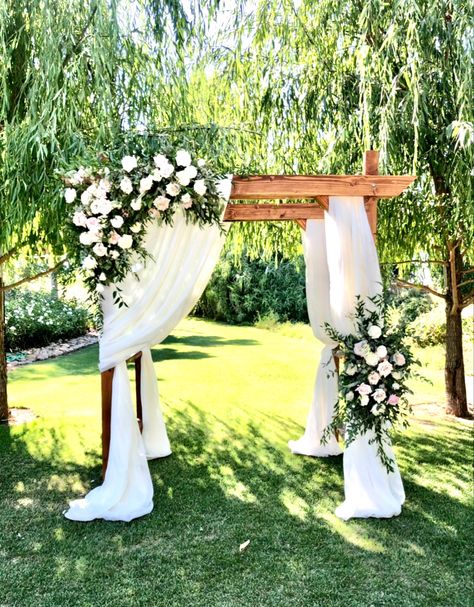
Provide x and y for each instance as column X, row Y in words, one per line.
column 54, row 285
column 3, row 360
column 454, row 364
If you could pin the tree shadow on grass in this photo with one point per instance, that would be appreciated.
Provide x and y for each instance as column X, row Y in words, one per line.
column 227, row 481
column 160, row 354
column 208, row 341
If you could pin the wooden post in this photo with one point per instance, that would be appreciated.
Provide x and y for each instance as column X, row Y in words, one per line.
column 138, row 389
column 106, row 380
column 371, row 167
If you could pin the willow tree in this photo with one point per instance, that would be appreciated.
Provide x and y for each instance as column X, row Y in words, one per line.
column 322, row 81
column 73, row 75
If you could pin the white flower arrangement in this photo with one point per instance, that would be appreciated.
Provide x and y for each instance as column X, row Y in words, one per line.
column 112, row 204
column 372, row 383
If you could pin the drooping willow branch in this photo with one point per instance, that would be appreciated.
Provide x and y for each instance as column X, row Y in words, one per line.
column 13, row 285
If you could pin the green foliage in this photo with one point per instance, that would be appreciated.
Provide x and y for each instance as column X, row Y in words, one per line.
column 430, row 329
column 244, row 290
column 409, row 303
column 35, row 319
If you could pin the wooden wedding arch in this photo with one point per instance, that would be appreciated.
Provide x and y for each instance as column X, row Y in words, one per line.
column 318, row 188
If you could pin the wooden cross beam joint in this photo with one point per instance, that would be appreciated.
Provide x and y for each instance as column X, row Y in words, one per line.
column 370, row 185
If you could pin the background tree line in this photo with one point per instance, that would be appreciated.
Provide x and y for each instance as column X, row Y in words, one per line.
column 266, row 86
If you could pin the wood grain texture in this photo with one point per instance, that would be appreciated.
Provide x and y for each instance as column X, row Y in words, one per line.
column 272, row 212
column 371, row 167
column 261, row 187
column 106, row 381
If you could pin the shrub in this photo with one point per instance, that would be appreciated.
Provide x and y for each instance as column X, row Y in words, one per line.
column 241, row 293
column 410, row 303
column 430, row 329
column 35, row 319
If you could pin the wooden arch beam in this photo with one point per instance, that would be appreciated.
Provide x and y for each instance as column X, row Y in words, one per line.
column 266, row 187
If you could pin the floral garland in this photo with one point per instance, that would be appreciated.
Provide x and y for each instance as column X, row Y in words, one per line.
column 373, row 383
column 113, row 203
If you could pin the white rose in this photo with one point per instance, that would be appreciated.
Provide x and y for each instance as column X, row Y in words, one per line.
column 89, row 263
column 78, row 177
column 87, row 238
column 183, row 178
column 70, row 195
column 86, row 197
column 100, row 288
column 126, row 185
column 371, row 359
column 136, row 228
column 145, row 184
column 374, row 378
column 136, row 204
column 161, row 203
column 129, row 163
column 93, row 224
column 79, row 219
column 399, row 359
column 395, row 386
column 200, row 187
column 95, row 206
column 350, row 369
column 100, row 250
column 379, row 395
column 396, row 374
column 156, row 175
column 113, row 238
column 167, row 170
column 381, row 352
column 364, row 400
column 201, row 162
column 137, row 267
column 183, row 158
column 117, row 221
column 375, row 410
column 191, row 171
column 361, row 348
column 173, row 189
column 104, row 206
column 349, row 396
column 364, row 389
column 105, row 185
column 375, row 331
column 102, row 276
column 125, row 241
column 187, row 201
column 384, row 368
column 160, row 160
column 114, row 254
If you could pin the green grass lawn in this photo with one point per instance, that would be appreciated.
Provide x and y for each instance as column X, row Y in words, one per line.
column 232, row 397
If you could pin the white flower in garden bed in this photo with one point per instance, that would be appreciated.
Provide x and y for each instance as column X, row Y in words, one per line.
column 112, row 206
column 129, row 163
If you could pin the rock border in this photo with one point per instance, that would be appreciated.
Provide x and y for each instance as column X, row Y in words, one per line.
column 54, row 350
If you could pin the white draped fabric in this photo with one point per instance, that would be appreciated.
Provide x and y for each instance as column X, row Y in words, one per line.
column 346, row 251
column 167, row 287
column 319, row 312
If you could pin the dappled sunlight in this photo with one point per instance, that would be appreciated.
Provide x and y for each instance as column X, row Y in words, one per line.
column 231, row 486
column 353, row 532
column 230, row 411
column 296, row 506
